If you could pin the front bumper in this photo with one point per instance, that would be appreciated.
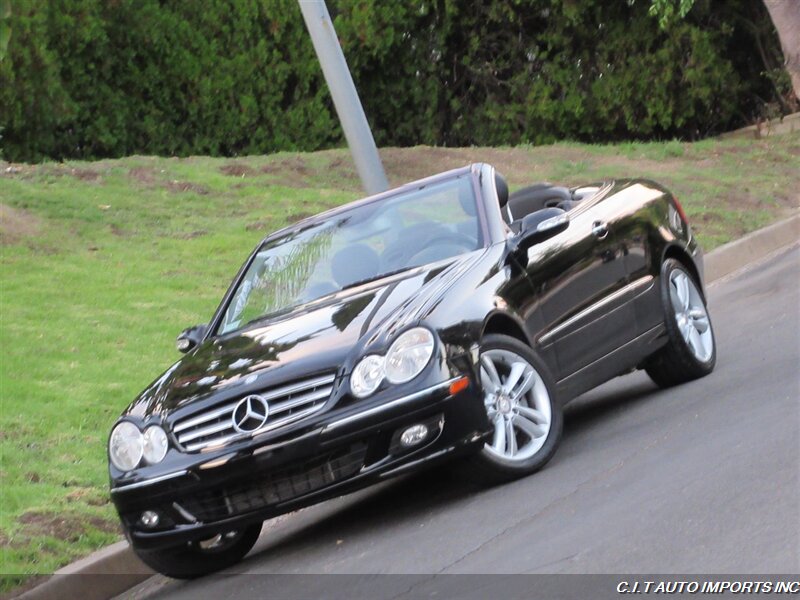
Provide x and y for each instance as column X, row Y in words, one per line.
column 335, row 456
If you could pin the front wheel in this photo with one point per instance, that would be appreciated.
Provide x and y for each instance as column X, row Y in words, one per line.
column 519, row 397
column 195, row 559
column 691, row 350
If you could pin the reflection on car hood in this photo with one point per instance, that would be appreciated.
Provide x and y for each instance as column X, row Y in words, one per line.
column 314, row 338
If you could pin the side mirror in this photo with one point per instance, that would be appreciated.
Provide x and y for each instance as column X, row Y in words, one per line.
column 189, row 338
column 541, row 225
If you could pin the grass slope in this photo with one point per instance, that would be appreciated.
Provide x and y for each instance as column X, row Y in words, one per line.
column 103, row 263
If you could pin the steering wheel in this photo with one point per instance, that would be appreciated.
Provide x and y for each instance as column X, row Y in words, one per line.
column 411, row 240
column 449, row 238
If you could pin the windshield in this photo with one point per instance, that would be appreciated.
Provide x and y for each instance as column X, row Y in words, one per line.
column 365, row 243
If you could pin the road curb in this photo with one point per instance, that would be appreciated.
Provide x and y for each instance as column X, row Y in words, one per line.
column 752, row 247
column 116, row 569
column 101, row 575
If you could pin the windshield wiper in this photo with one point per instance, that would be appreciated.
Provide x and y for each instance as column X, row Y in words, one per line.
column 375, row 278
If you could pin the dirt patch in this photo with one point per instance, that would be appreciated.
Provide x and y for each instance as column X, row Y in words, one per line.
column 87, row 496
column 79, row 494
column 294, row 165
column 119, row 231
column 86, row 175
column 190, row 235
column 176, row 187
column 521, row 166
column 17, row 224
column 791, row 201
column 338, row 162
column 745, row 202
column 299, row 216
column 720, row 150
column 148, row 177
column 293, row 182
column 258, row 226
column 104, row 525
column 407, row 164
column 27, row 172
column 292, row 172
column 64, row 526
column 334, row 171
column 143, row 175
column 9, row 169
column 238, row 170
column 16, row 170
column 403, row 165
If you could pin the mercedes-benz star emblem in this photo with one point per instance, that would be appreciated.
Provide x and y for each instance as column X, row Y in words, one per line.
column 250, row 414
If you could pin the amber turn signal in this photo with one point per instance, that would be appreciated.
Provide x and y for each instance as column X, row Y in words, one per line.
column 459, row 385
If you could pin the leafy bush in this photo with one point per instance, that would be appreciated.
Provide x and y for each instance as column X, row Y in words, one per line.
column 90, row 78
column 96, row 78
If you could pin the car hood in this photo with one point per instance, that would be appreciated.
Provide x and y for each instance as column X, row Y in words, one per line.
column 324, row 336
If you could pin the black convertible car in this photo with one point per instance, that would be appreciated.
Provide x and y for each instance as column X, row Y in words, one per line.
column 444, row 319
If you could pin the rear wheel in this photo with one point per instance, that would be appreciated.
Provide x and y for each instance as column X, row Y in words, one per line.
column 519, row 397
column 691, row 350
column 201, row 557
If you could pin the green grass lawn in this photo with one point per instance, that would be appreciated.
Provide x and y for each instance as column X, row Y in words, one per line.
column 103, row 263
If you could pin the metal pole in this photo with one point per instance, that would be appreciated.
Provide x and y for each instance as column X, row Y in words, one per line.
column 345, row 98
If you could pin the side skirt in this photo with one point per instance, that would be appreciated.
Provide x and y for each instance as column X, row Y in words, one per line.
column 615, row 363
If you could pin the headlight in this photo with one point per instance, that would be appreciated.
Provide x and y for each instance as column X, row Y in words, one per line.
column 155, row 444
column 125, row 446
column 408, row 355
column 367, row 376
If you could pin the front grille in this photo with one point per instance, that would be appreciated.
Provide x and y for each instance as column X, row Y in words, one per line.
column 274, row 487
column 287, row 404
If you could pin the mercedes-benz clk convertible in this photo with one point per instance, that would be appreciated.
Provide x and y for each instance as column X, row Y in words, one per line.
column 440, row 321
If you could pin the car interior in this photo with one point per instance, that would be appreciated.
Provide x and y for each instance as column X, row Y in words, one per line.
column 426, row 242
column 535, row 197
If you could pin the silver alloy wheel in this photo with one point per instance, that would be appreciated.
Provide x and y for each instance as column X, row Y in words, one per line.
column 690, row 315
column 517, row 403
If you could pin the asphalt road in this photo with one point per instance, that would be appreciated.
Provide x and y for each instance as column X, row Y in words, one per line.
column 703, row 478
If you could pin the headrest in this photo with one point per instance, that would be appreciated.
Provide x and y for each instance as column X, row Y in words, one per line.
column 354, row 263
column 502, row 188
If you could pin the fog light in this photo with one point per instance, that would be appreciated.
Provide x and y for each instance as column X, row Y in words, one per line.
column 149, row 519
column 416, row 434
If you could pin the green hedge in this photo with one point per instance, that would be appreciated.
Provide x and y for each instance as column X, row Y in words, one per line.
column 98, row 78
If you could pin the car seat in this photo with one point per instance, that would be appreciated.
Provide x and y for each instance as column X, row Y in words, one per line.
column 536, row 197
column 354, row 263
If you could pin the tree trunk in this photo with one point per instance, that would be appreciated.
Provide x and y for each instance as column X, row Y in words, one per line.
column 785, row 15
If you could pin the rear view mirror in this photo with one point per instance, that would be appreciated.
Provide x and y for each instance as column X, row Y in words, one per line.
column 189, row 338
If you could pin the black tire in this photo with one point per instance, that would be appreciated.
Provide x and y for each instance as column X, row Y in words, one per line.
column 191, row 560
column 487, row 468
column 676, row 363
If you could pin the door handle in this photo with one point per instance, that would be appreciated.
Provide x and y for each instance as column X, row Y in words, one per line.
column 599, row 229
